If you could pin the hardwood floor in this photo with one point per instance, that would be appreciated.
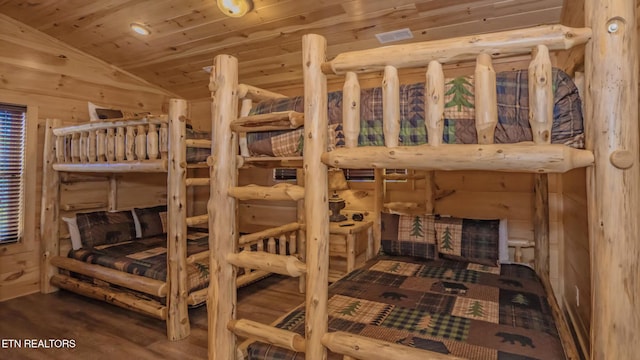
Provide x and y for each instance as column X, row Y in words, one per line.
column 103, row 331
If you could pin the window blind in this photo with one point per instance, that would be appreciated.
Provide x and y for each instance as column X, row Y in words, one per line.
column 12, row 139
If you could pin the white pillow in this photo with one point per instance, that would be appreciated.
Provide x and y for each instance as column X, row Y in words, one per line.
column 136, row 224
column 503, row 242
column 74, row 233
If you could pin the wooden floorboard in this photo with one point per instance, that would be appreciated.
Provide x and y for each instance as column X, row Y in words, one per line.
column 103, row 331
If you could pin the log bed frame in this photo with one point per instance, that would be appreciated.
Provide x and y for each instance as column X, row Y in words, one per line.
column 611, row 159
column 140, row 145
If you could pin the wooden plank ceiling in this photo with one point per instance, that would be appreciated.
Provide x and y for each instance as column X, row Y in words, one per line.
column 187, row 34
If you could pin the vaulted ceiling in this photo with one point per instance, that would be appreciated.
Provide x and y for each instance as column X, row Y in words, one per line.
column 187, row 34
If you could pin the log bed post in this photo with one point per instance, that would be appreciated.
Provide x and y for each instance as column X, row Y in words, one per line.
column 316, row 194
column 49, row 217
column 177, row 311
column 223, row 237
column 611, row 128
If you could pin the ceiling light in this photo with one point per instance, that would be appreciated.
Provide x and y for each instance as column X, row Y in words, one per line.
column 140, row 29
column 235, row 8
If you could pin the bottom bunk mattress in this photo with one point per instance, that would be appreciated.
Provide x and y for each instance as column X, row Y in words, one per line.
column 450, row 307
column 148, row 257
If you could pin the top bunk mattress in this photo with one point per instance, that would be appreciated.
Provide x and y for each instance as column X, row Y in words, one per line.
column 450, row 307
column 459, row 125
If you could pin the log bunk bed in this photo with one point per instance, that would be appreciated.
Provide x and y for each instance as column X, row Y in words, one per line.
column 159, row 274
column 610, row 156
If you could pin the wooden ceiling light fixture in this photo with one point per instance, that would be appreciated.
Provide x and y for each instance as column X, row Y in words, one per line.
column 235, row 8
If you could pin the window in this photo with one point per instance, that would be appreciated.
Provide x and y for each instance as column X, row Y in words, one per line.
column 12, row 150
column 349, row 174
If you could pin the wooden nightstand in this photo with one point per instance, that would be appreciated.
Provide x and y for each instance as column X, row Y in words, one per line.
column 348, row 240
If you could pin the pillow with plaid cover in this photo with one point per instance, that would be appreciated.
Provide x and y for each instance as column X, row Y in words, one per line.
column 152, row 220
column 409, row 235
column 470, row 240
column 103, row 227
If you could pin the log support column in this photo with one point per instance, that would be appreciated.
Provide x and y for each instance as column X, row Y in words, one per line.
column 223, row 237
column 613, row 190
column 177, row 311
column 316, row 194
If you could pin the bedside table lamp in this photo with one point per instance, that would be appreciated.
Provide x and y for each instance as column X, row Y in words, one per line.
column 337, row 182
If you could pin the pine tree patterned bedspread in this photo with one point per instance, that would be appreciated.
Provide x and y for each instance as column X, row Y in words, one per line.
column 459, row 126
column 451, row 307
column 148, row 257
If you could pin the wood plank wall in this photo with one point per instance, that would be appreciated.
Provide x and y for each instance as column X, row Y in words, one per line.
column 56, row 81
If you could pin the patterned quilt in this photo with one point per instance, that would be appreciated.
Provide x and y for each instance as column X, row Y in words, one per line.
column 451, row 307
column 513, row 115
column 148, row 257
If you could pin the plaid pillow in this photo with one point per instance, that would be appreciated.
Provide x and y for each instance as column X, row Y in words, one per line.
column 152, row 220
column 102, row 227
column 409, row 235
column 468, row 240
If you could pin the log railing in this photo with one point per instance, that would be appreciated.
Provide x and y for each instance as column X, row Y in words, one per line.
column 269, row 251
column 505, row 157
column 117, row 145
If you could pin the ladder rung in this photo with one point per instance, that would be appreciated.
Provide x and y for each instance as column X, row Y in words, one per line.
column 282, row 191
column 197, row 220
column 260, row 260
column 283, row 120
column 197, row 181
column 198, row 143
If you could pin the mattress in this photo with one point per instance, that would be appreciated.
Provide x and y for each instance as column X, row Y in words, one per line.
column 450, row 307
column 148, row 257
column 459, row 125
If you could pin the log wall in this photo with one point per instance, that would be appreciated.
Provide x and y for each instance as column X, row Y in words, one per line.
column 56, row 81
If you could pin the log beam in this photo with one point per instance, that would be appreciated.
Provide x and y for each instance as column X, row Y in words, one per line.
column 111, row 296
column 129, row 281
column 147, row 166
column 521, row 157
column 465, row 48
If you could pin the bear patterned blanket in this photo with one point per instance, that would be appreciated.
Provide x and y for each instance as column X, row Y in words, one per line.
column 450, row 307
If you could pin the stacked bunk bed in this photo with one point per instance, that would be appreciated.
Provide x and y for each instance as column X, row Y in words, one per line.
column 153, row 260
column 445, row 295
